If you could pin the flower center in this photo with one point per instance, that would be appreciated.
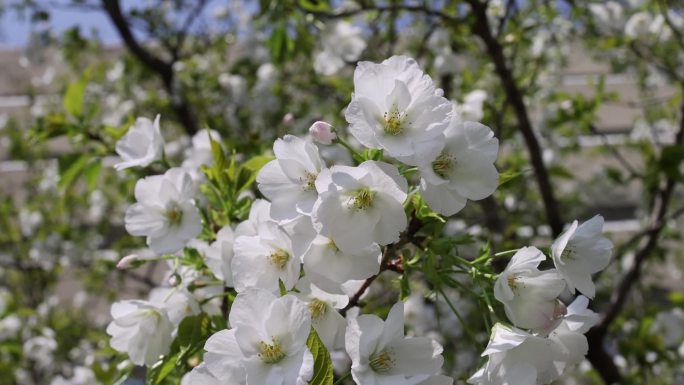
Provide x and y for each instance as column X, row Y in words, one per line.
column 173, row 214
column 318, row 308
column 513, row 281
column 443, row 164
column 568, row 253
column 333, row 246
column 393, row 121
column 363, row 198
column 309, row 182
column 279, row 258
column 381, row 362
column 271, row 353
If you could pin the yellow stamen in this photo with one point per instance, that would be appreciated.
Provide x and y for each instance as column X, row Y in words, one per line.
column 443, row 164
column 381, row 362
column 279, row 258
column 363, row 198
column 394, row 120
column 318, row 308
column 271, row 353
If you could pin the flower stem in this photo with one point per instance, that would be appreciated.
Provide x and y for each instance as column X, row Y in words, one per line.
column 355, row 154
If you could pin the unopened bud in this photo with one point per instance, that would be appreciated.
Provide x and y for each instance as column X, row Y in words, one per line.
column 322, row 132
column 126, row 261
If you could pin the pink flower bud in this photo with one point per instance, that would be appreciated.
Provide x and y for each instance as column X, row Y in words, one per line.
column 322, row 132
column 126, row 261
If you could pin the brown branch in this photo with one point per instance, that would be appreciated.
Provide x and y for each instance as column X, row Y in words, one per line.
column 597, row 355
column 616, row 153
column 389, row 261
column 481, row 28
column 155, row 64
column 384, row 8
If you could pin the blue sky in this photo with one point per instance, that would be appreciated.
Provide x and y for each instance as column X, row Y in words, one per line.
column 15, row 28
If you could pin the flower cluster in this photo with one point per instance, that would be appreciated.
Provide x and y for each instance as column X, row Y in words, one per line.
column 547, row 336
column 325, row 230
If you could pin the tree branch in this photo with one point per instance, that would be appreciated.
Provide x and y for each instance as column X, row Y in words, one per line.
column 155, row 64
column 481, row 28
column 388, row 261
column 599, row 358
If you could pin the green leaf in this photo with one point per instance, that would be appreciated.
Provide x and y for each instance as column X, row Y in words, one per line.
column 255, row 163
column 670, row 160
column 220, row 162
column 193, row 329
column 508, row 176
column 92, row 173
column 75, row 95
column 157, row 373
column 404, row 287
column 281, row 287
column 71, row 166
column 323, row 367
column 314, row 5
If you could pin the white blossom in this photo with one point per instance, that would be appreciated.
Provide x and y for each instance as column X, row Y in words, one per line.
column 264, row 259
column 381, row 355
column 219, row 255
column 359, row 206
column 461, row 167
column 165, row 211
column 289, row 180
column 140, row 329
column 141, row 145
column 268, row 340
column 396, row 107
column 341, row 43
column 326, row 320
column 471, row 108
column 530, row 296
column 329, row 267
column 580, row 252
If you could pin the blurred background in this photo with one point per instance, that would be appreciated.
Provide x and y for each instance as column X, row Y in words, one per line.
column 584, row 96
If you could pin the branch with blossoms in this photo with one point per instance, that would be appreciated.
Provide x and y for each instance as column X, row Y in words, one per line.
column 297, row 261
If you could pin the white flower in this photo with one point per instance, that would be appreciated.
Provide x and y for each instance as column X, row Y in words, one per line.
column 471, row 109
column 82, row 376
column 359, row 206
column 200, row 152
column 165, row 211
column 289, row 180
column 530, row 296
column 382, row 355
column 461, row 168
column 140, row 329
column 271, row 334
column 329, row 324
column 396, row 107
column 580, row 252
column 200, row 375
column 329, row 267
column 178, row 302
column 259, row 213
column 431, row 380
column 668, row 326
column 322, row 132
column 517, row 357
column 342, row 43
column 40, row 349
column 261, row 260
column 142, row 144
column 223, row 358
column 219, row 255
